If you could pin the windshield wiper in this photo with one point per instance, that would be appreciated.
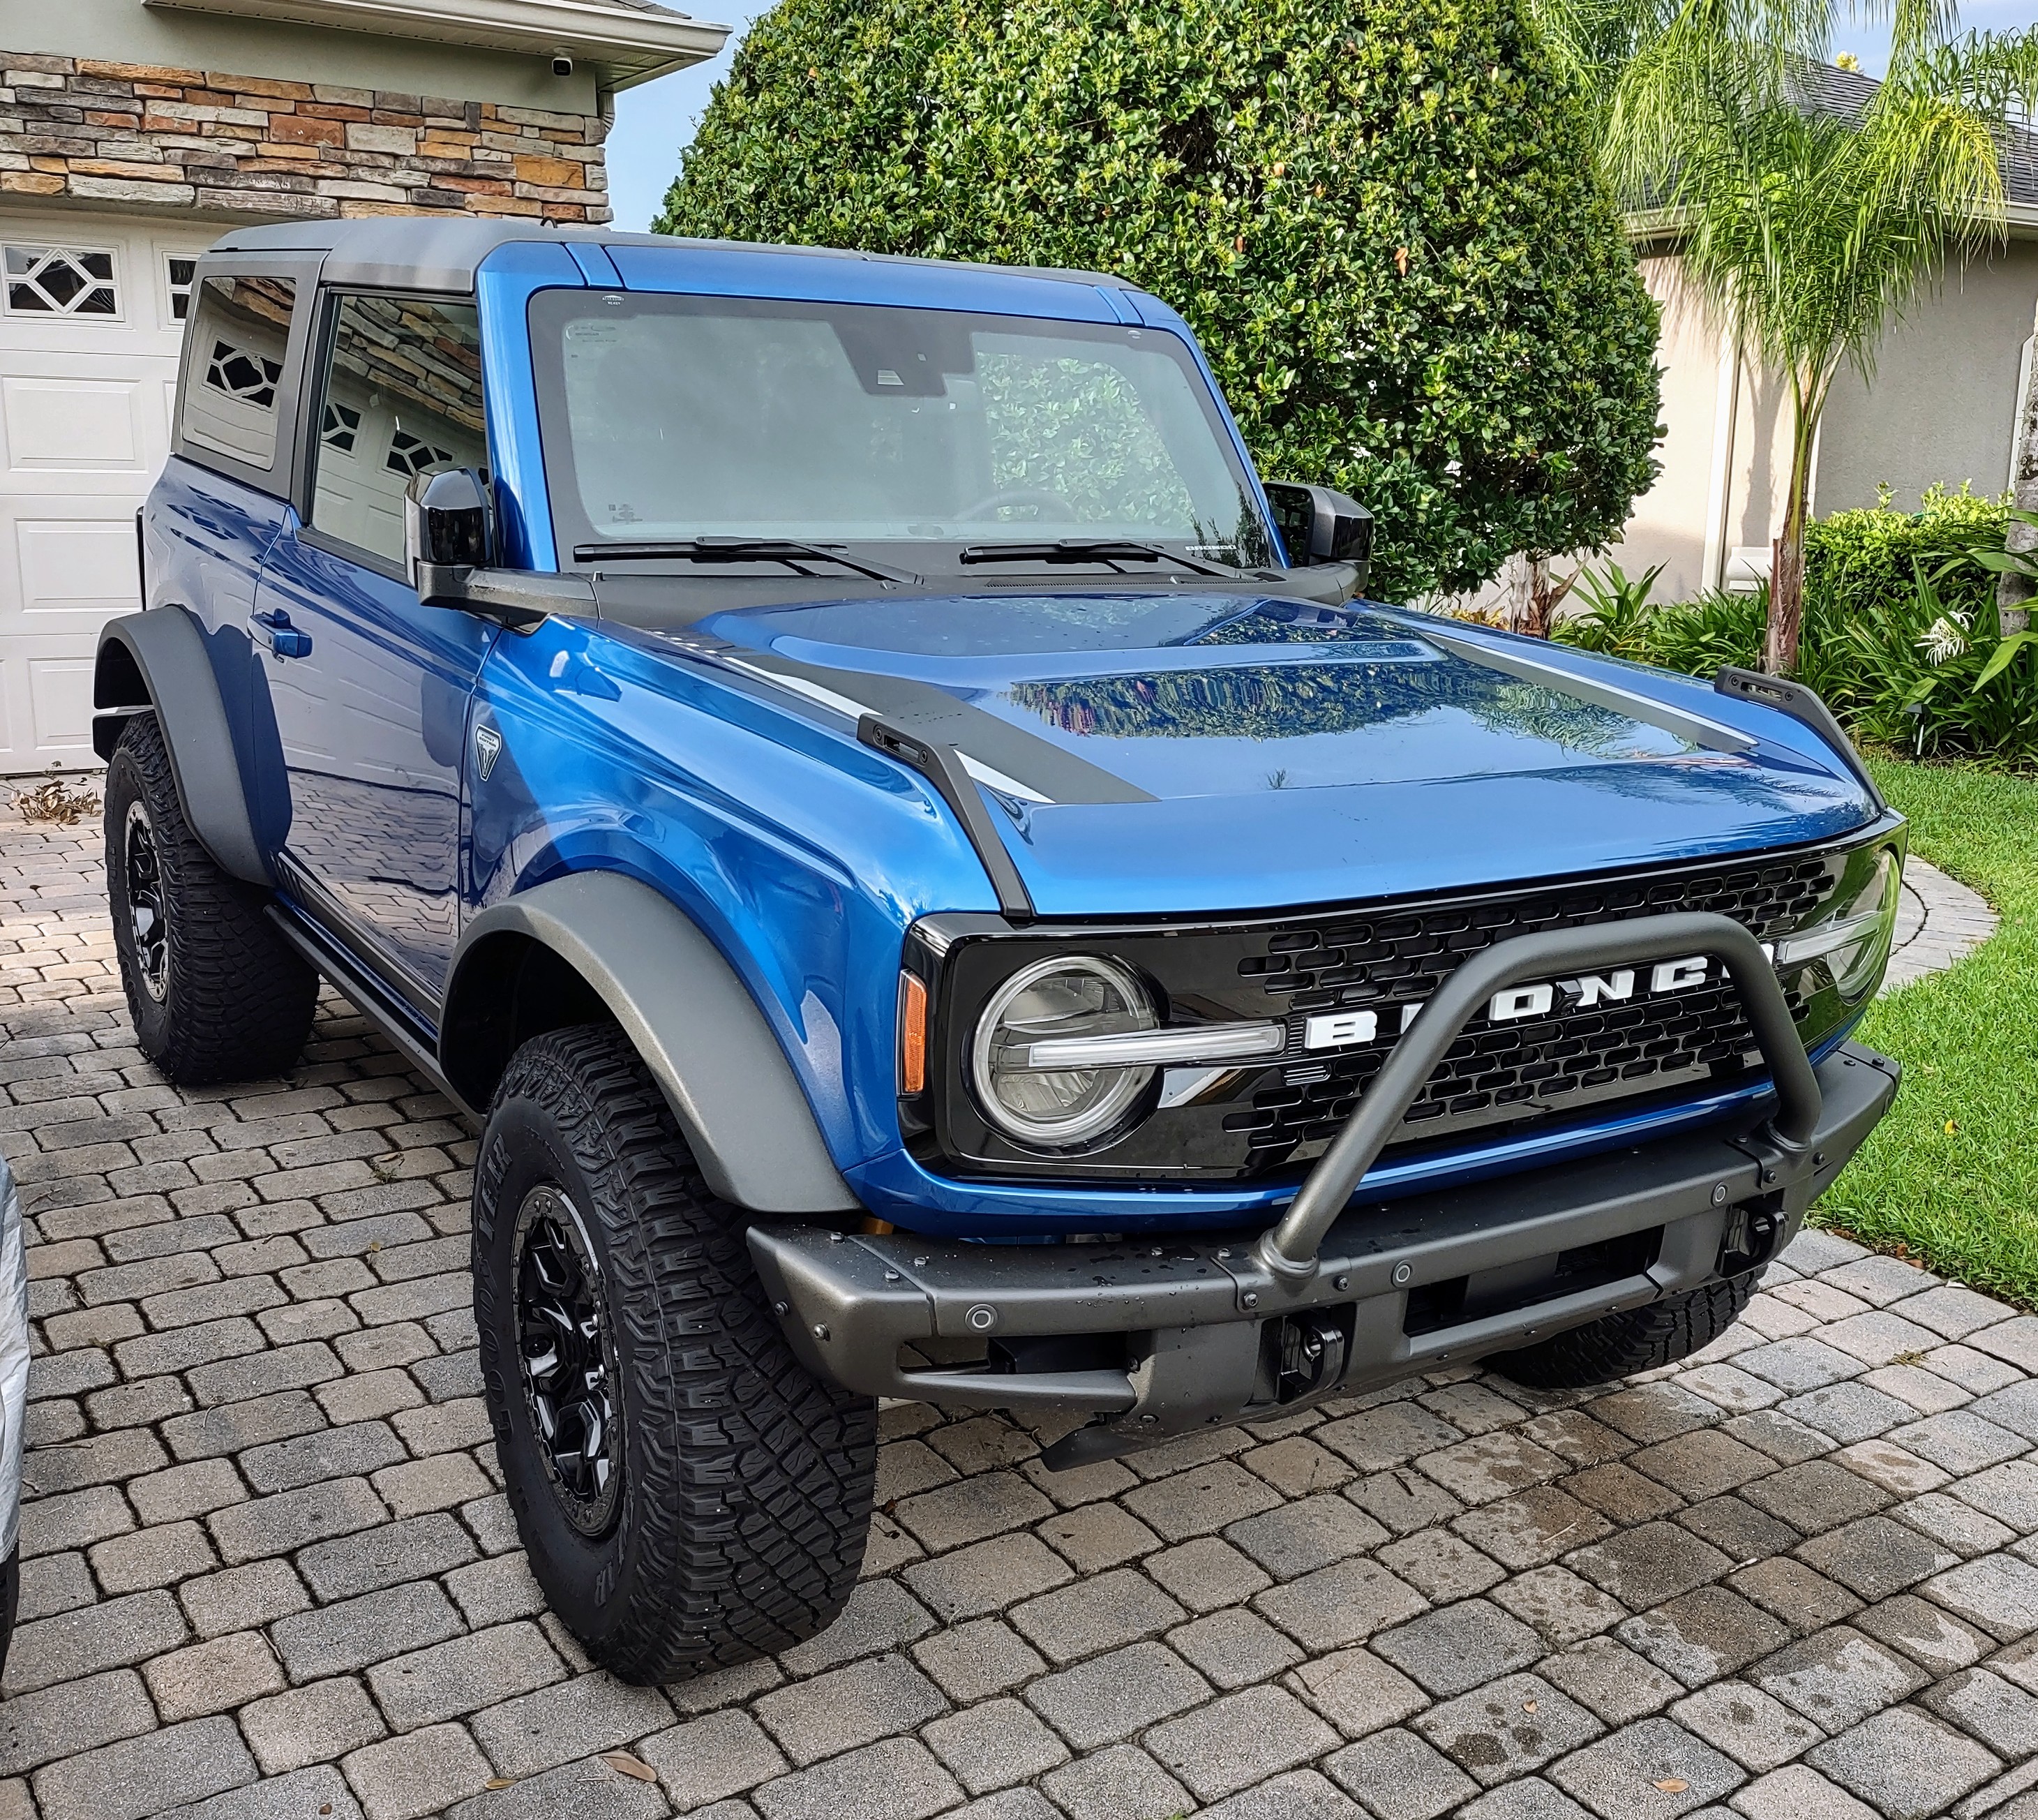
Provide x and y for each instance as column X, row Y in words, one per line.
column 787, row 550
column 1088, row 550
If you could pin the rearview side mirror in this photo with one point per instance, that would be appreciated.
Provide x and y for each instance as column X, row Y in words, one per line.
column 449, row 528
column 1320, row 525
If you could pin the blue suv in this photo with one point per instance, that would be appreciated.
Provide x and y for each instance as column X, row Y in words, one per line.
column 934, row 883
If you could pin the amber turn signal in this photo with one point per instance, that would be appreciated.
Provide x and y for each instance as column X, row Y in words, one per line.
column 912, row 1034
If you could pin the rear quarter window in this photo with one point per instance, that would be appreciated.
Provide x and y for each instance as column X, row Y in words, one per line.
column 234, row 387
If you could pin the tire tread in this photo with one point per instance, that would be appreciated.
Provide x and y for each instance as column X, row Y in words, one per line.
column 756, row 1505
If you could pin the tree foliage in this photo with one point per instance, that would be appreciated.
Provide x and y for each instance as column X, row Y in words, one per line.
column 1382, row 220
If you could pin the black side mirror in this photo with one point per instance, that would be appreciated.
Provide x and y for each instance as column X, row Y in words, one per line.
column 449, row 527
column 1321, row 525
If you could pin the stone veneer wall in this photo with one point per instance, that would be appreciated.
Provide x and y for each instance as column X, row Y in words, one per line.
column 135, row 136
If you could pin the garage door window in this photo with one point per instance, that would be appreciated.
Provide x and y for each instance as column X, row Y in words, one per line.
column 241, row 332
column 179, row 270
column 60, row 280
column 401, row 397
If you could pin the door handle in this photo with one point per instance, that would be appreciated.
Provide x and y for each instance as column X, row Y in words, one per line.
column 273, row 631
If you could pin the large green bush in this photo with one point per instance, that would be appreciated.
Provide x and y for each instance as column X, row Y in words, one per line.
column 1381, row 219
column 1899, row 623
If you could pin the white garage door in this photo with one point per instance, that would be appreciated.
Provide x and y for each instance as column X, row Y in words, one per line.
column 91, row 318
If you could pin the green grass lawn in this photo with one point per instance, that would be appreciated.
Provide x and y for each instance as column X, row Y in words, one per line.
column 1950, row 1178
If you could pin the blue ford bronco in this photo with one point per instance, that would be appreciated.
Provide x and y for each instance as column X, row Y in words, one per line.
column 934, row 883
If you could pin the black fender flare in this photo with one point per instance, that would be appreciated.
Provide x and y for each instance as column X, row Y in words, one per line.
column 156, row 660
column 690, row 1016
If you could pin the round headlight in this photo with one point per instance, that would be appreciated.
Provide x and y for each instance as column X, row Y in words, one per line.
column 1078, row 995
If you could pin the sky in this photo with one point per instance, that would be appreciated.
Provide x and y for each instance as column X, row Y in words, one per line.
column 653, row 122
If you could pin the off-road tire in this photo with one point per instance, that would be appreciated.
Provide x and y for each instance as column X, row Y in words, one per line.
column 1635, row 1339
column 745, row 1481
column 238, row 999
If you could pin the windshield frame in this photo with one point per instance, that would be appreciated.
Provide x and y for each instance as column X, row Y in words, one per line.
column 549, row 311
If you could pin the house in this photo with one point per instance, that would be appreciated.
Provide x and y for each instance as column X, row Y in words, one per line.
column 1941, row 407
column 133, row 132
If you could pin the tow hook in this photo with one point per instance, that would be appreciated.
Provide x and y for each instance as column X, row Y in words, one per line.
column 1311, row 1354
column 1750, row 1237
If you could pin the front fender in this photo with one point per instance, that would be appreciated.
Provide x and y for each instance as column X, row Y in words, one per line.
column 689, row 1016
column 157, row 660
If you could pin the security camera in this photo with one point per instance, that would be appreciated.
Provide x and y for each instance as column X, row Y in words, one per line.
column 562, row 66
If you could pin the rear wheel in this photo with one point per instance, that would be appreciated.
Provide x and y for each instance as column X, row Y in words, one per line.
column 215, row 992
column 1635, row 1340
column 689, row 1494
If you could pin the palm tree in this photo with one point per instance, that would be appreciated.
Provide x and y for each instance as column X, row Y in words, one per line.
column 1808, row 224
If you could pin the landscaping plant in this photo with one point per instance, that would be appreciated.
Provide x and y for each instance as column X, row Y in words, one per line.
column 2014, row 562
column 1383, row 221
column 1900, row 629
column 1808, row 225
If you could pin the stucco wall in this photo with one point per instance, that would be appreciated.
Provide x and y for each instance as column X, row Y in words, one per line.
column 127, row 32
column 1941, row 408
column 1943, row 404
column 1670, row 522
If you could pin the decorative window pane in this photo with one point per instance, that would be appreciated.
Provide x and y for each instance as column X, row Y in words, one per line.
column 59, row 281
column 339, row 427
column 241, row 374
column 180, row 272
column 410, row 455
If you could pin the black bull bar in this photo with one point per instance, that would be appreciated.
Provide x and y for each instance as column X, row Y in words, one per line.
column 1338, row 1297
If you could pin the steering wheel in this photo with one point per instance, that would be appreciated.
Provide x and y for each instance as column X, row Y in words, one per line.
column 1038, row 497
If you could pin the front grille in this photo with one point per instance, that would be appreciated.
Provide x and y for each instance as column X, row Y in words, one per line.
column 1659, row 1047
column 1572, row 1057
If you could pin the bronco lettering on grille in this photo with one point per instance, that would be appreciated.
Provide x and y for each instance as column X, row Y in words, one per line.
column 1345, row 1029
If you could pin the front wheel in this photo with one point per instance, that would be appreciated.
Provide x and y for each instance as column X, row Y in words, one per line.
column 1635, row 1340
column 689, row 1494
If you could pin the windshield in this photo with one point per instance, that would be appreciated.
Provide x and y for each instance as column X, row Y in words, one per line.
column 671, row 419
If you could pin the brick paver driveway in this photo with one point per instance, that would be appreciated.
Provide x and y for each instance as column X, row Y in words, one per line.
column 268, row 1571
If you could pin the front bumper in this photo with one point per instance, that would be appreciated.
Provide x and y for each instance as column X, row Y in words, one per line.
column 1156, row 1338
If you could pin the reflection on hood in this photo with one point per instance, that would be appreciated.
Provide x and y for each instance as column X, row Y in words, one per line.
column 1180, row 695
column 1295, row 701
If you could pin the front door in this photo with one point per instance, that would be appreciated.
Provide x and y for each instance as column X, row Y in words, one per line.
column 370, row 688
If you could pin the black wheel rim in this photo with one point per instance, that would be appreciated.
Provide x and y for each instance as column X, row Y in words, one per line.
column 568, row 1360
column 146, row 920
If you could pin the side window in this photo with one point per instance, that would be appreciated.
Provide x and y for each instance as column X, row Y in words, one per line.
column 400, row 396
column 240, row 332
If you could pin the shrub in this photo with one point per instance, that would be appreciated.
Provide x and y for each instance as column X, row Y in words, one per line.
column 1382, row 220
column 1900, row 624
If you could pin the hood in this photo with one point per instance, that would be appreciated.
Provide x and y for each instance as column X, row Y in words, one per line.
column 1153, row 753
